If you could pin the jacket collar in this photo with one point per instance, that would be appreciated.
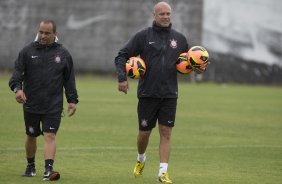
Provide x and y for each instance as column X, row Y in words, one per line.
column 161, row 29
column 40, row 46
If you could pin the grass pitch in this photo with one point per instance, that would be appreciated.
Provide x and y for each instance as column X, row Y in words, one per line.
column 223, row 134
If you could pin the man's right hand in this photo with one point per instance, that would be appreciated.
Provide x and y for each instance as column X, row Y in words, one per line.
column 20, row 96
column 123, row 86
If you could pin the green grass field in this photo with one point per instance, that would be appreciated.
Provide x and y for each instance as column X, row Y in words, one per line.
column 224, row 134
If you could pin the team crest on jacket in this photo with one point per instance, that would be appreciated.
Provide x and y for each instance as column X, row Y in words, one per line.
column 57, row 59
column 173, row 43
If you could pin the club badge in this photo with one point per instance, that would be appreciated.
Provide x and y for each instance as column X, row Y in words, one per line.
column 57, row 59
column 173, row 43
column 144, row 123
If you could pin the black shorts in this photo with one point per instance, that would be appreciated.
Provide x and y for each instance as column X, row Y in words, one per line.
column 50, row 123
column 151, row 110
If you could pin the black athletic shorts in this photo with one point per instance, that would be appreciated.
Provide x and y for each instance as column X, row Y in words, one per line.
column 49, row 123
column 151, row 110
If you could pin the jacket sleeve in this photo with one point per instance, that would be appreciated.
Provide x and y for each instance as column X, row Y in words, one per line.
column 18, row 73
column 132, row 48
column 186, row 46
column 69, row 81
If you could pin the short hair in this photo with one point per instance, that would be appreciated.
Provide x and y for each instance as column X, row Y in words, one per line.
column 160, row 3
column 50, row 22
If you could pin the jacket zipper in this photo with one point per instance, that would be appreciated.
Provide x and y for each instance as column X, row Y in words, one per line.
column 163, row 61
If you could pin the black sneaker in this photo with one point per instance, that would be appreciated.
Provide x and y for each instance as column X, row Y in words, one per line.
column 50, row 175
column 29, row 172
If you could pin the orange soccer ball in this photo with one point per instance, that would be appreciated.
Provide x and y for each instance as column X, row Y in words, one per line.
column 135, row 68
column 183, row 66
column 198, row 56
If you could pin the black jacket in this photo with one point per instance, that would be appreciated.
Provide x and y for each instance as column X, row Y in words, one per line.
column 42, row 72
column 159, row 47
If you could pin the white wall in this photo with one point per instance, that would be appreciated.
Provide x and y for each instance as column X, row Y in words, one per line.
column 251, row 29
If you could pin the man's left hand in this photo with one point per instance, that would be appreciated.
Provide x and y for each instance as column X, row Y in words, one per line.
column 199, row 70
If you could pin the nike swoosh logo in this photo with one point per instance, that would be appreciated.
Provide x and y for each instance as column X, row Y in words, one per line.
column 34, row 57
column 73, row 23
column 151, row 43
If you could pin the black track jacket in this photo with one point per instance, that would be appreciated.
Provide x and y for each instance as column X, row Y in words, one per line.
column 44, row 71
column 159, row 47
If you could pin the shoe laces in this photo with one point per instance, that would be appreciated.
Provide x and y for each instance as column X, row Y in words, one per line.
column 165, row 177
column 139, row 167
